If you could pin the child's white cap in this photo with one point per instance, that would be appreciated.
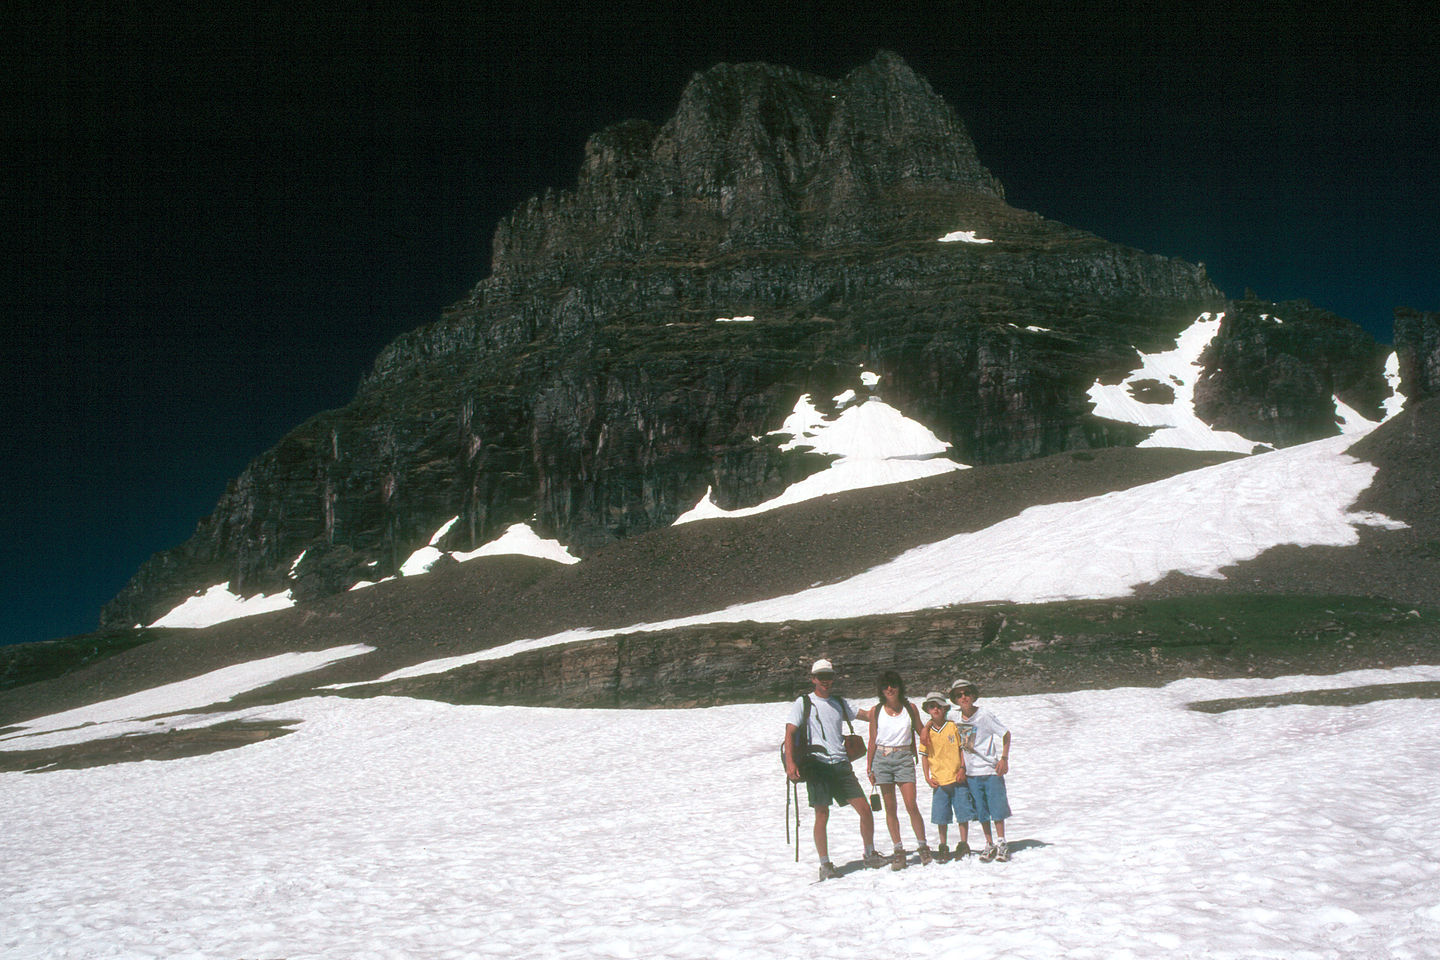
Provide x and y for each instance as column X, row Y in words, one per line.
column 936, row 698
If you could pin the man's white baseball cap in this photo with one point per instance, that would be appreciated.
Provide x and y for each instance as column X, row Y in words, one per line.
column 822, row 666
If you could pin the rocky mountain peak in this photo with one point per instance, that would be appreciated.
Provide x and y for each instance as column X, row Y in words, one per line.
column 755, row 157
column 599, row 385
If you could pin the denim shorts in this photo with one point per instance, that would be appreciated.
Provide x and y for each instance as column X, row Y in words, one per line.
column 899, row 767
column 828, row 783
column 951, row 799
column 987, row 794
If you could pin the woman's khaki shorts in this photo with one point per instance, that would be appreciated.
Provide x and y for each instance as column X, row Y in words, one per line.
column 899, row 767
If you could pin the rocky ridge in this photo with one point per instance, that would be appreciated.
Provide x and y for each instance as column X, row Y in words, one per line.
column 586, row 383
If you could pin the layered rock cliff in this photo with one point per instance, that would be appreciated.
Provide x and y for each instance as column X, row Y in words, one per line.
column 1417, row 344
column 587, row 382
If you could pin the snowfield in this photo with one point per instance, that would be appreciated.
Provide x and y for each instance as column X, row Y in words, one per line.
column 409, row 829
column 405, row 829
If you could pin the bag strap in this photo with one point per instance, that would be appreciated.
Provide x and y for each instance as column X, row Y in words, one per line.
column 840, row 706
column 805, row 721
column 800, row 745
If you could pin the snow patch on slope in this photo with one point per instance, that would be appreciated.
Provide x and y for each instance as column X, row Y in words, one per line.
column 113, row 718
column 1177, row 369
column 423, row 559
column 519, row 539
column 873, row 443
column 1394, row 403
column 218, row 604
column 963, row 236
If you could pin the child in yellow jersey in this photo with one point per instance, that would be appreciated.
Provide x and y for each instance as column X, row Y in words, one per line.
column 944, row 767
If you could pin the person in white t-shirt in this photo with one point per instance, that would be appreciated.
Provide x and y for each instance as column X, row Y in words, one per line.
column 895, row 732
column 985, row 743
column 814, row 751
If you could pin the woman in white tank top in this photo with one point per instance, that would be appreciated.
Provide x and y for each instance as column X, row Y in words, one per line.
column 895, row 727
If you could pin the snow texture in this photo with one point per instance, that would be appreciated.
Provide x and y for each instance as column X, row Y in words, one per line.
column 963, row 236
column 122, row 715
column 1394, row 403
column 415, row 830
column 873, row 443
column 1177, row 369
column 218, row 604
column 520, row 539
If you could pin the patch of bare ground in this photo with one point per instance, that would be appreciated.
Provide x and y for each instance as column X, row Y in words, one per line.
column 171, row 745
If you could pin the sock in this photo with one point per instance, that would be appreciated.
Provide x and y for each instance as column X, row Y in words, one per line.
column 899, row 848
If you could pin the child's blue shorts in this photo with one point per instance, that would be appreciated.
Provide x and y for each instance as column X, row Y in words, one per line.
column 987, row 797
column 949, row 800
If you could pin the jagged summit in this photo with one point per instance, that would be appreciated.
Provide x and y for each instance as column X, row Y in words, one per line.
column 759, row 156
column 588, row 389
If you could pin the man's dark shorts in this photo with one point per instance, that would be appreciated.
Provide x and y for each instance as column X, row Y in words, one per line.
column 827, row 783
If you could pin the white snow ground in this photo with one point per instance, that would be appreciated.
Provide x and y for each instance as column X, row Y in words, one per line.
column 413, row 830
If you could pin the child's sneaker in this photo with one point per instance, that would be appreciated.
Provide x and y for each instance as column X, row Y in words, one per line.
column 942, row 854
column 924, row 855
column 962, row 850
column 1002, row 851
column 897, row 862
column 988, row 853
column 828, row 871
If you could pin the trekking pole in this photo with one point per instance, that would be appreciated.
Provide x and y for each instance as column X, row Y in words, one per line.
column 795, row 789
column 787, row 815
column 792, row 788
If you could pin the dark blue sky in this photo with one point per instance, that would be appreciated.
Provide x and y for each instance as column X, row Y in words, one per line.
column 213, row 219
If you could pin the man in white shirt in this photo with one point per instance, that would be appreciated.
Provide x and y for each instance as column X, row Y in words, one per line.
column 815, row 752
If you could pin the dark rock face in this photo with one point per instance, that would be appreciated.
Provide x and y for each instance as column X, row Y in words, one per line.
column 1417, row 342
column 1273, row 372
column 586, row 383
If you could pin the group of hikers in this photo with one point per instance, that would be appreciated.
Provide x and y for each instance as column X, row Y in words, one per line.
column 962, row 749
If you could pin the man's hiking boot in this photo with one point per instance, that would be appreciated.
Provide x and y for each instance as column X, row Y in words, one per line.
column 924, row 855
column 942, row 854
column 874, row 859
column 989, row 853
column 828, row 871
column 1002, row 851
column 962, row 850
column 897, row 860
